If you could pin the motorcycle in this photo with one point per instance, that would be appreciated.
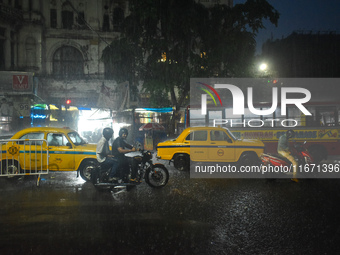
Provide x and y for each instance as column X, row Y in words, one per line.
column 155, row 175
column 300, row 153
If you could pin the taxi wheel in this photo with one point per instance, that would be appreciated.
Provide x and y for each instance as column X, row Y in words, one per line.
column 10, row 167
column 86, row 170
column 248, row 159
column 181, row 162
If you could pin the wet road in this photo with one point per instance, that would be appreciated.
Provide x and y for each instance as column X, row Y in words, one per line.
column 189, row 216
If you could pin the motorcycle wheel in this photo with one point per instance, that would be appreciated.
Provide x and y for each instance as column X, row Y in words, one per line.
column 157, row 176
column 95, row 176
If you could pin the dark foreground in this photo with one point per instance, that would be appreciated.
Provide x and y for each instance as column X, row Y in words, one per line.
column 189, row 216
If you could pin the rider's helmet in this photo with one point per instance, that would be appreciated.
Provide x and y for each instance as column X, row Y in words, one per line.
column 123, row 131
column 290, row 133
column 108, row 133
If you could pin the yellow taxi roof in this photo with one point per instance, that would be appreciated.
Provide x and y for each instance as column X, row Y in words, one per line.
column 43, row 129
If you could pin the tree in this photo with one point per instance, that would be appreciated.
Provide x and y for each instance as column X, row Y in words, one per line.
column 122, row 61
column 179, row 39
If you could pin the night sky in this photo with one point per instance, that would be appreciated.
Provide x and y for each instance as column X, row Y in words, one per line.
column 303, row 15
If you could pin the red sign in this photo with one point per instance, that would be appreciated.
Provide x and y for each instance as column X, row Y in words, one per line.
column 20, row 82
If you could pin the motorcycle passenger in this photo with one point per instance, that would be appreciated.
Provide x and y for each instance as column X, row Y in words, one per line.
column 284, row 150
column 103, row 153
column 119, row 148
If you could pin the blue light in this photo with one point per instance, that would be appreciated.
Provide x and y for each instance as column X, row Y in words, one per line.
column 166, row 109
column 38, row 116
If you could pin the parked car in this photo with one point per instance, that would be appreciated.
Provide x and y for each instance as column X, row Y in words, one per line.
column 67, row 151
column 209, row 144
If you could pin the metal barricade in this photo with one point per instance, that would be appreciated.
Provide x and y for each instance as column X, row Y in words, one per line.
column 24, row 157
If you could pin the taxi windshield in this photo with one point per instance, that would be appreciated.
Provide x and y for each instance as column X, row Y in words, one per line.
column 231, row 134
column 76, row 138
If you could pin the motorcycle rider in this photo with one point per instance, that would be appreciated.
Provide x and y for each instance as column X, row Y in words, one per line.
column 284, row 150
column 119, row 148
column 103, row 153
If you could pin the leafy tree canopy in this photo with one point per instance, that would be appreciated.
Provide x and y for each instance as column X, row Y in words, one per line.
column 165, row 42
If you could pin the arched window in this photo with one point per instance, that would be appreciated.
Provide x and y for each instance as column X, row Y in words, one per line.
column 68, row 63
column 30, row 45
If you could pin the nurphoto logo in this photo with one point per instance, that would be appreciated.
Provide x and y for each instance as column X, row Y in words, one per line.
column 238, row 99
column 241, row 92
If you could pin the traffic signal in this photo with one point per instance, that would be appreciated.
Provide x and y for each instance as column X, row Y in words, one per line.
column 68, row 103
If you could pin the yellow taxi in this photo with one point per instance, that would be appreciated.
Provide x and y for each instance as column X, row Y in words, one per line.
column 209, row 144
column 67, row 151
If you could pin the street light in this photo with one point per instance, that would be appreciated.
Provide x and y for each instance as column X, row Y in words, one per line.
column 263, row 67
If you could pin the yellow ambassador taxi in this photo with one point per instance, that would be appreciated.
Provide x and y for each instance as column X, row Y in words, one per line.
column 209, row 144
column 66, row 149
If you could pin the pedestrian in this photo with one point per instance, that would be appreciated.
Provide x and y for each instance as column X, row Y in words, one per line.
column 4, row 109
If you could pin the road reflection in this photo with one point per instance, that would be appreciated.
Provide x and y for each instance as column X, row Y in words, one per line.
column 188, row 216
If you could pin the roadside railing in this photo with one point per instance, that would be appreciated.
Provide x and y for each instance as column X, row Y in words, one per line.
column 19, row 157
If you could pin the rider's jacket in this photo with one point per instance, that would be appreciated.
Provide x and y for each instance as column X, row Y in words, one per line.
column 102, row 150
column 119, row 142
column 283, row 144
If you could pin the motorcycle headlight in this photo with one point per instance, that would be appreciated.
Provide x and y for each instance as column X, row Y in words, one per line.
column 149, row 155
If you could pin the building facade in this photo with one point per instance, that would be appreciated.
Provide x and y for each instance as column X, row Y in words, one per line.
column 304, row 54
column 57, row 46
column 60, row 43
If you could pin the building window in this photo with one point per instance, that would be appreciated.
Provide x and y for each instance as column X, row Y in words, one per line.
column 12, row 49
column 68, row 63
column 30, row 4
column 106, row 19
column 81, row 15
column 81, row 18
column 106, row 23
column 17, row 4
column 2, row 48
column 53, row 18
column 67, row 16
column 2, row 54
column 118, row 17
